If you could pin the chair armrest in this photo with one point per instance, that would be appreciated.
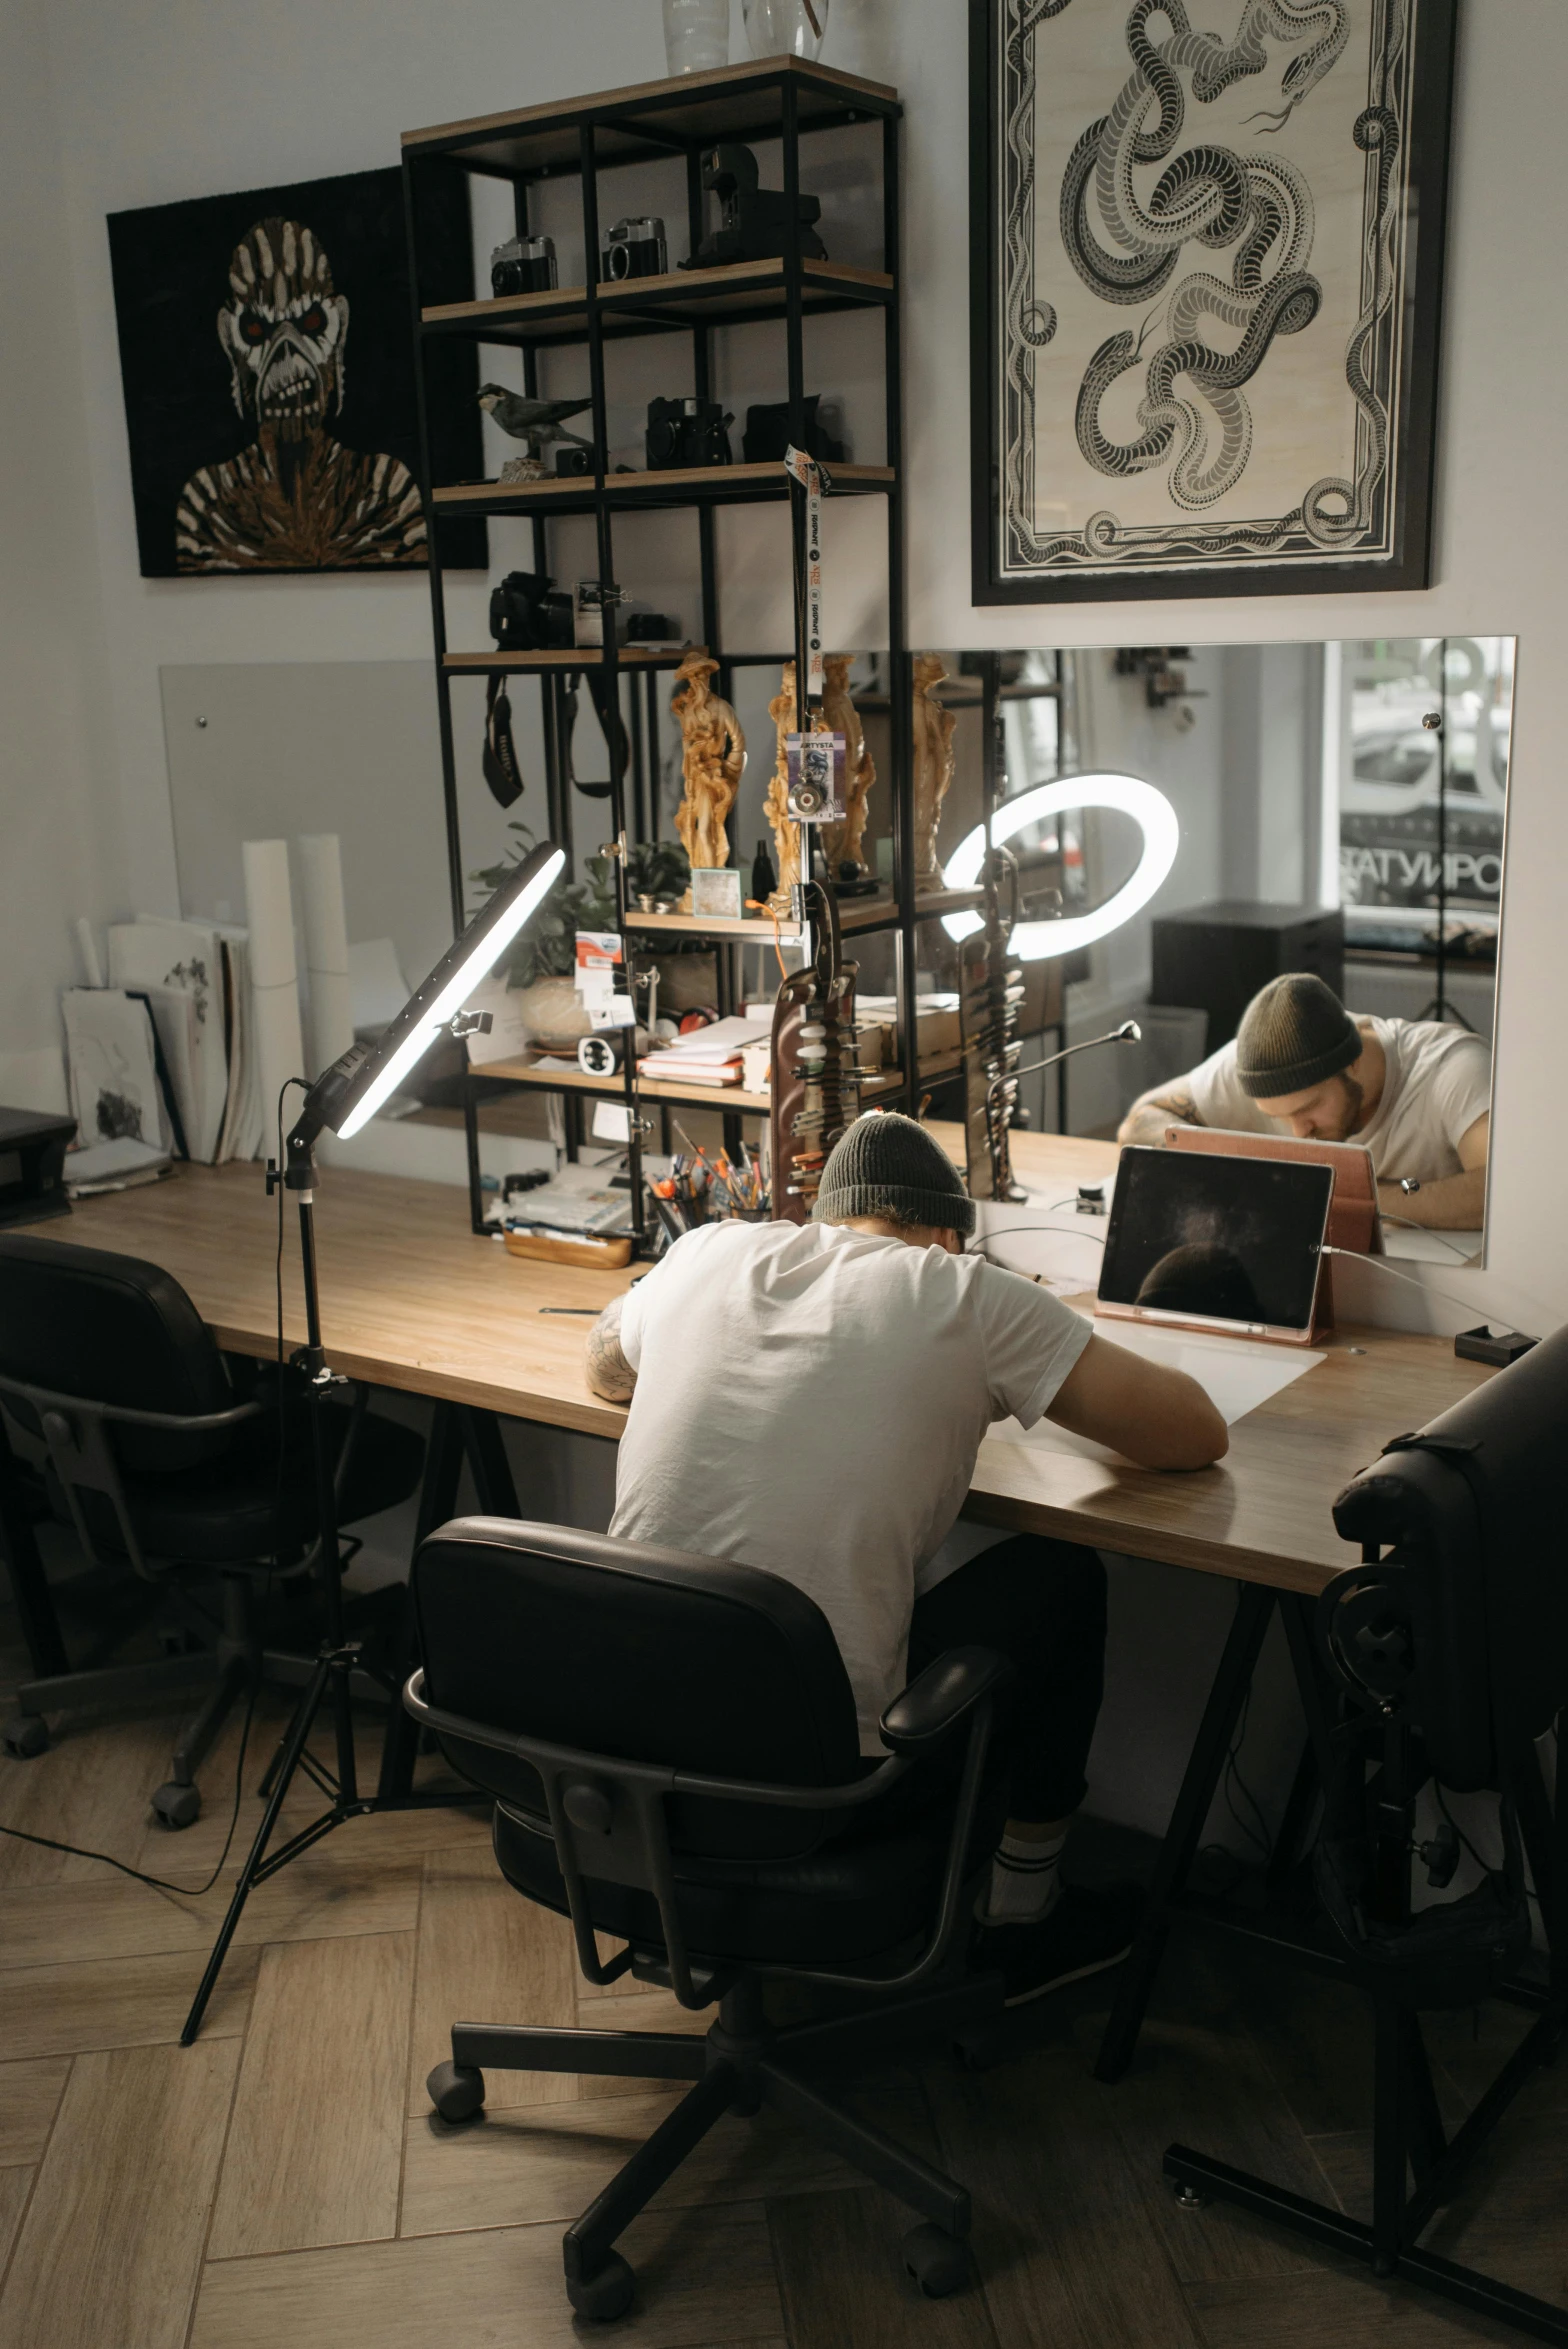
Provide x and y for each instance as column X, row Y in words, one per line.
column 945, row 1693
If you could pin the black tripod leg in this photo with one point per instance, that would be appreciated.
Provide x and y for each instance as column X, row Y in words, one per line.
column 437, row 1502
column 298, row 1732
column 1254, row 1605
column 488, row 1464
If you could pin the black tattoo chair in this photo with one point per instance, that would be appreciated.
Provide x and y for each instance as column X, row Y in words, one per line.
column 672, row 1747
column 165, row 1455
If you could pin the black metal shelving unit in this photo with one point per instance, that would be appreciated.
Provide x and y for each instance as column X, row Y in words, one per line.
column 783, row 100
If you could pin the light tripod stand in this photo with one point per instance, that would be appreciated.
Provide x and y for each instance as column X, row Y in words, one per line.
column 342, row 1101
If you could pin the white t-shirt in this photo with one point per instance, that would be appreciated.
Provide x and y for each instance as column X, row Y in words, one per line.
column 811, row 1400
column 1439, row 1082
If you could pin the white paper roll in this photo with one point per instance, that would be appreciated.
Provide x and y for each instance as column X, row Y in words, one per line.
column 269, row 912
column 279, row 1055
column 269, row 906
column 330, row 1007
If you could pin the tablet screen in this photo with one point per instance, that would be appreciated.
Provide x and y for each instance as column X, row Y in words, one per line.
column 1216, row 1239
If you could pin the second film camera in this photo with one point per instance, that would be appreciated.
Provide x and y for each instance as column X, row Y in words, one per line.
column 633, row 248
column 687, row 432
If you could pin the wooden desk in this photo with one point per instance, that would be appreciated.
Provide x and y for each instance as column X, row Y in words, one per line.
column 412, row 1300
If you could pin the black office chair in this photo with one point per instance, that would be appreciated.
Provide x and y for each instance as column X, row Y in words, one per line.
column 163, row 1454
column 1442, row 1657
column 672, row 1746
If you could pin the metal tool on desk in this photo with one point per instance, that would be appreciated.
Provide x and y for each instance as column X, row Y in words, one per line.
column 341, row 1101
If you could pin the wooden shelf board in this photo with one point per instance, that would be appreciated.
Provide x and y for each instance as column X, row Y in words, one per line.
column 656, row 486
column 563, row 310
column 582, row 656
column 741, row 101
column 733, row 1098
column 756, row 927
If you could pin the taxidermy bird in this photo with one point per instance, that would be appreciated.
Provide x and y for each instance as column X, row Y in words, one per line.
column 532, row 421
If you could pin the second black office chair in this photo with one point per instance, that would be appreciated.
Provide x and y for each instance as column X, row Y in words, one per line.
column 161, row 1454
column 672, row 1746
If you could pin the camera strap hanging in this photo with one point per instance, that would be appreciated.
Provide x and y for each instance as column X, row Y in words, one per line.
column 501, row 768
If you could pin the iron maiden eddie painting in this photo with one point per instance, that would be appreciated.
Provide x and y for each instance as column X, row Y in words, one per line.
column 265, row 349
column 1206, row 251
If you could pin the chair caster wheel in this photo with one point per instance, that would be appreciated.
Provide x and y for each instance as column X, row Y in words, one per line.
column 25, row 1735
column 1188, row 2197
column 456, row 2091
column 981, row 2049
column 937, row 2261
column 606, row 2295
column 177, row 1806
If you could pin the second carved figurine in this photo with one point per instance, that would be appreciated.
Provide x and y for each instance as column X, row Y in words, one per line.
column 842, row 843
column 933, row 766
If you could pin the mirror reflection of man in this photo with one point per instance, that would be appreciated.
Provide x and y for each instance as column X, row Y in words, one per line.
column 1417, row 1093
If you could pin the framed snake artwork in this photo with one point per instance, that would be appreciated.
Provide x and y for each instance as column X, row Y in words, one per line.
column 266, row 352
column 1206, row 268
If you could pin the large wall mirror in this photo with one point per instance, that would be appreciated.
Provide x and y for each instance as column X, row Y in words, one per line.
column 1314, row 802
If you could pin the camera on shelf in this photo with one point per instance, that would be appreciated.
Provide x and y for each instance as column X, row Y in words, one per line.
column 687, row 432
column 653, row 628
column 523, row 265
column 571, row 461
column 754, row 222
column 528, row 613
column 633, row 248
column 766, row 436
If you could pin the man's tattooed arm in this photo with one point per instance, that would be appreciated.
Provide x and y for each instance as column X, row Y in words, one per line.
column 1149, row 1116
column 609, row 1372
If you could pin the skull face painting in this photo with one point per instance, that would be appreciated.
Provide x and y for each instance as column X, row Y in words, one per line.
column 296, row 499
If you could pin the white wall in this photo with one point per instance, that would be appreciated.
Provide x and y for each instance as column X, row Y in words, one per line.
column 59, row 847
column 173, row 100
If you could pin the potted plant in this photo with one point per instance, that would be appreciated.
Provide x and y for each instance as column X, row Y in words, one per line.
column 543, row 960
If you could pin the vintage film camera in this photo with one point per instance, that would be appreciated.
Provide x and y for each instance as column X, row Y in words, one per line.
column 523, row 265
column 687, row 432
column 753, row 222
column 633, row 248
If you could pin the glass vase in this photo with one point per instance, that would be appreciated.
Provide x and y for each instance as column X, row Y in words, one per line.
column 786, row 28
column 696, row 35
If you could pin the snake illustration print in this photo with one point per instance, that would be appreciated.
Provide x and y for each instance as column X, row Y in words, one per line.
column 1258, row 207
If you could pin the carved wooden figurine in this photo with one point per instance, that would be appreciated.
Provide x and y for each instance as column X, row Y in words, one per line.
column 786, row 833
column 933, row 766
column 713, row 756
column 841, row 843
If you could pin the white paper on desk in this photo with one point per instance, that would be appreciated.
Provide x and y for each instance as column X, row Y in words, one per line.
column 1237, row 1374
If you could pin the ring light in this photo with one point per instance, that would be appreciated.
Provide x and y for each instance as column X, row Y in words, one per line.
column 1037, row 941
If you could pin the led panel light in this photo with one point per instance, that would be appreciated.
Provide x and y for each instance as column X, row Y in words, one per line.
column 1129, row 796
column 355, row 1087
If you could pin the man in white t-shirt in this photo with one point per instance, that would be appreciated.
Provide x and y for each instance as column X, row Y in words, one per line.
column 810, row 1399
column 1418, row 1093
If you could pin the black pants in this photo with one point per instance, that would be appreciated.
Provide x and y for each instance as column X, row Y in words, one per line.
column 1041, row 1604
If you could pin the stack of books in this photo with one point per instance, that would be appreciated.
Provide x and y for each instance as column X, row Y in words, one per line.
column 705, row 1056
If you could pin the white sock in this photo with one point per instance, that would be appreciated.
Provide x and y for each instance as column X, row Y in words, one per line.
column 1025, row 1884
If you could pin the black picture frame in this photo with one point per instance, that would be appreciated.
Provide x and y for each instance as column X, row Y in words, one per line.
column 1394, row 549
column 170, row 265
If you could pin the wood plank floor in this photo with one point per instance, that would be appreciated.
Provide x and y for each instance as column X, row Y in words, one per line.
column 284, row 2181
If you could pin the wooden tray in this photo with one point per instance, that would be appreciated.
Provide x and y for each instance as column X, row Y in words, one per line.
column 595, row 1255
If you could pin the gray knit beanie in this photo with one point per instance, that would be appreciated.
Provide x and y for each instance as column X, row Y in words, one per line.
column 887, row 1165
column 1293, row 1034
